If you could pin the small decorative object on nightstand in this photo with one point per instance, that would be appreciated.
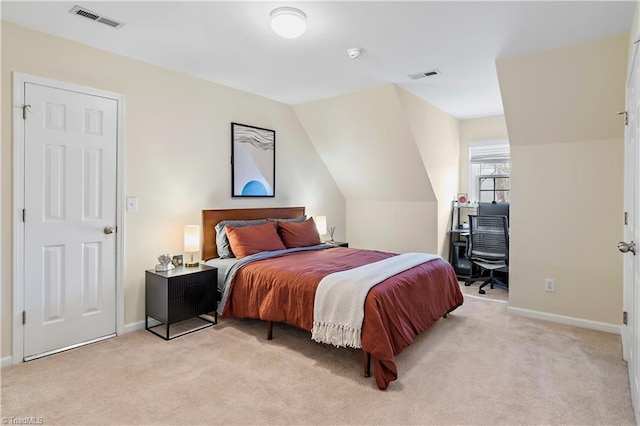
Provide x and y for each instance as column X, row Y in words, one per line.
column 180, row 294
column 332, row 230
column 177, row 260
column 165, row 263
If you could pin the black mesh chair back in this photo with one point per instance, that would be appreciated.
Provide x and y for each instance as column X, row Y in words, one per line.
column 489, row 245
column 489, row 238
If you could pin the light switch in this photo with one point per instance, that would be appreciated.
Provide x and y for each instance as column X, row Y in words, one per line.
column 132, row 204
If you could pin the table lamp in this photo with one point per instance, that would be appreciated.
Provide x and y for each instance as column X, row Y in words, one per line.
column 191, row 243
column 321, row 224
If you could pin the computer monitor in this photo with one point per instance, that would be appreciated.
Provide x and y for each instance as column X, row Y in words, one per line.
column 493, row 209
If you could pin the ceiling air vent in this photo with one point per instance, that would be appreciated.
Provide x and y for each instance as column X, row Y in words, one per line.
column 424, row 74
column 86, row 13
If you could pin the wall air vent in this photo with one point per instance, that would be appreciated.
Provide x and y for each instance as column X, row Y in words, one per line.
column 86, row 13
column 424, row 74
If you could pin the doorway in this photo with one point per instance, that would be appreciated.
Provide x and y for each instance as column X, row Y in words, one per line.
column 631, row 260
column 67, row 216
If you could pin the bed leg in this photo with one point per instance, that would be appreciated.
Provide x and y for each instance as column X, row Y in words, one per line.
column 366, row 363
column 269, row 330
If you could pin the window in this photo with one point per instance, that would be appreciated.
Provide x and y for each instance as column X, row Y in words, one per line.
column 489, row 171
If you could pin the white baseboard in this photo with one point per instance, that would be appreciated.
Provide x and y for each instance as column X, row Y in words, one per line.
column 6, row 361
column 139, row 325
column 561, row 319
column 134, row 326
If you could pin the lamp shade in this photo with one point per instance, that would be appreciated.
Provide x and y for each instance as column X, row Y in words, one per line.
column 191, row 238
column 321, row 224
column 288, row 22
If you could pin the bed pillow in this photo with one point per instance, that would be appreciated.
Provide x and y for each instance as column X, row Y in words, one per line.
column 301, row 234
column 222, row 242
column 295, row 219
column 247, row 240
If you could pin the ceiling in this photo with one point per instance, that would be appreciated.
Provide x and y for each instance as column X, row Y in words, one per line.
column 231, row 43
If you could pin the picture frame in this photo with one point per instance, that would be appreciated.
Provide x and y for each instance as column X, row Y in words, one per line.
column 177, row 260
column 253, row 161
column 462, row 198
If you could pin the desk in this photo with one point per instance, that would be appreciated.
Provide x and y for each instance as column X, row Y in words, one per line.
column 458, row 239
column 459, row 261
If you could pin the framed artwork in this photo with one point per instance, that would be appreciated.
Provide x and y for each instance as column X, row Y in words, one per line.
column 253, row 161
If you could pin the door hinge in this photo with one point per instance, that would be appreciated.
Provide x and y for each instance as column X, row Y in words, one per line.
column 624, row 317
column 626, row 117
column 24, row 317
column 626, row 218
column 24, row 111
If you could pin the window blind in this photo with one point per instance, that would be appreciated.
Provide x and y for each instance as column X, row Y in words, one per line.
column 489, row 151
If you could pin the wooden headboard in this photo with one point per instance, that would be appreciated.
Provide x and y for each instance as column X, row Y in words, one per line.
column 210, row 218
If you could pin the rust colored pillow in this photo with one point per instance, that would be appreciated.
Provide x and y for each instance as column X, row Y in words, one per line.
column 301, row 234
column 248, row 240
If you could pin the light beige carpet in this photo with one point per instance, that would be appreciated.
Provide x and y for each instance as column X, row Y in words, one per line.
column 495, row 293
column 481, row 365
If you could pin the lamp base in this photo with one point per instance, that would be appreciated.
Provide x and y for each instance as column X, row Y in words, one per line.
column 191, row 264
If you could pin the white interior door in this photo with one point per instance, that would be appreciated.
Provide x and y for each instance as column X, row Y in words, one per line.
column 631, row 262
column 70, row 202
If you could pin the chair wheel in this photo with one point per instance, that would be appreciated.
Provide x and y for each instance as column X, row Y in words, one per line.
column 467, row 283
column 481, row 291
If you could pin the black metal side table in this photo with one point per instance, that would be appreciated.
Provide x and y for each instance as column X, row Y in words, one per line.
column 180, row 294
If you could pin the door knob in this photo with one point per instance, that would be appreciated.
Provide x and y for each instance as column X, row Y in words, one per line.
column 109, row 230
column 627, row 247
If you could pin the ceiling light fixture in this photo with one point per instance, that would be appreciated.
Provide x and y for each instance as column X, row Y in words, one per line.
column 288, row 22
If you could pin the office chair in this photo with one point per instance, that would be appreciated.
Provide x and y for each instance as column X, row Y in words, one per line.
column 489, row 247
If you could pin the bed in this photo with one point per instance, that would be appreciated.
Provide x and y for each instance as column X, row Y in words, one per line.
column 282, row 289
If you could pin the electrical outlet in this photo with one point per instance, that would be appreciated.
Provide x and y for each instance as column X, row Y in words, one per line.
column 550, row 285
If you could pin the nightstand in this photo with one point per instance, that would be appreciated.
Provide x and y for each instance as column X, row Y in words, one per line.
column 180, row 294
column 338, row 243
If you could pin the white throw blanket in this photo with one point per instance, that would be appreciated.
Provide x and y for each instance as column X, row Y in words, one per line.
column 338, row 310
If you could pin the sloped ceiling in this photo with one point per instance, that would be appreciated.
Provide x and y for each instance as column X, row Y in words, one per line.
column 559, row 96
column 366, row 142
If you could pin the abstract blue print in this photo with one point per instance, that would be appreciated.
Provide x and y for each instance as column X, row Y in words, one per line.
column 255, row 189
column 253, row 161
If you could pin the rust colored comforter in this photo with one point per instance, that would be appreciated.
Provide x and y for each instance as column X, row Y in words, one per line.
column 283, row 289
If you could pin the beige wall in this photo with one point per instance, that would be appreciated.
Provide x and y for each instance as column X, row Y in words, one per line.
column 477, row 129
column 365, row 141
column 567, row 177
column 177, row 150
column 394, row 226
column 574, row 239
column 437, row 135
column 395, row 158
column 572, row 93
column 367, row 145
